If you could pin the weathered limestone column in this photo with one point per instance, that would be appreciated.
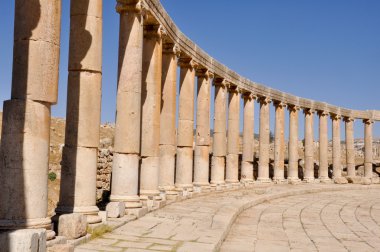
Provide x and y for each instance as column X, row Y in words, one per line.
column 263, row 173
column 293, row 144
column 80, row 153
column 336, row 155
column 125, row 167
column 150, row 118
column 309, row 146
column 323, row 147
column 368, row 158
column 26, row 117
column 233, row 136
column 248, row 139
column 202, row 140
column 350, row 148
column 185, row 134
column 168, row 119
column 279, row 143
column 219, row 148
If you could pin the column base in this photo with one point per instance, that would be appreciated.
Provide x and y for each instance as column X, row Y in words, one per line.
column 181, row 187
column 294, row 181
column 340, row 180
column 280, row 180
column 263, row 181
column 202, row 187
column 325, row 180
column 247, row 182
column 310, row 180
column 26, row 223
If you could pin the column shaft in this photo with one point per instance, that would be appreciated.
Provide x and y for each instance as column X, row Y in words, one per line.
column 185, row 133
column 368, row 158
column 125, row 167
column 26, row 117
column 263, row 173
column 279, row 143
column 202, row 141
column 233, row 137
column 293, row 144
column 168, row 119
column 350, row 148
column 151, row 105
column 336, row 150
column 219, row 149
column 309, row 145
column 80, row 153
column 323, row 147
column 248, row 139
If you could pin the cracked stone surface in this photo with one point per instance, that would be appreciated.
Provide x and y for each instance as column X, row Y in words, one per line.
column 271, row 218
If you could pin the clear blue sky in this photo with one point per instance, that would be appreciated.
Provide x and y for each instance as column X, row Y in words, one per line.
column 327, row 50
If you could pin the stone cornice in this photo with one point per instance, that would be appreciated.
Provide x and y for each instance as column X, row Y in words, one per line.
column 188, row 47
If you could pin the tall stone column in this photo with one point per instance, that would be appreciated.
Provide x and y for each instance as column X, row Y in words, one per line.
column 350, row 148
column 233, row 136
column 323, row 147
column 248, row 139
column 279, row 143
column 80, row 153
column 219, row 148
column 25, row 132
column 264, row 131
column 309, row 145
column 168, row 119
column 150, row 113
column 336, row 151
column 293, row 144
column 126, row 158
column 185, row 133
column 202, row 140
column 368, row 158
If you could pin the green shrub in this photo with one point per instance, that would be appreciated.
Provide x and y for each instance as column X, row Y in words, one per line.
column 52, row 176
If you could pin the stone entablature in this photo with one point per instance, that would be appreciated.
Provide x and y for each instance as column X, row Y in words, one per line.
column 191, row 49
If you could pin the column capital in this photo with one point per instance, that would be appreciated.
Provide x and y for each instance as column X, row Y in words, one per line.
column 293, row 108
column 335, row 116
column 233, row 88
column 154, row 31
column 135, row 6
column 348, row 119
column 170, row 48
column 218, row 81
column 204, row 73
column 264, row 100
column 187, row 62
column 308, row 111
column 322, row 113
column 279, row 104
column 368, row 121
column 248, row 95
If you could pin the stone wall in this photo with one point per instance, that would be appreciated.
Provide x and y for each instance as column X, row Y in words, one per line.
column 105, row 158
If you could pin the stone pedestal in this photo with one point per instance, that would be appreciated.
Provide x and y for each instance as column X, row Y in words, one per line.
column 248, row 139
column 279, row 143
column 263, row 174
column 151, row 105
column 185, row 134
column 323, row 147
column 233, row 136
column 125, row 168
column 293, row 144
column 219, row 148
column 309, row 146
column 202, row 139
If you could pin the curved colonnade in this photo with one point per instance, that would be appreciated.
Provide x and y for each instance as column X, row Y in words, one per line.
column 153, row 161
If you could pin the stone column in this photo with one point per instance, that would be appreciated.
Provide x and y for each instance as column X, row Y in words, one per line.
column 233, row 136
column 350, row 148
column 323, row 147
column 248, row 139
column 293, row 144
column 126, row 157
column 279, row 143
column 263, row 173
column 368, row 158
column 309, row 146
column 150, row 113
column 185, row 133
column 219, row 148
column 202, row 140
column 336, row 155
column 80, row 153
column 26, row 116
column 168, row 119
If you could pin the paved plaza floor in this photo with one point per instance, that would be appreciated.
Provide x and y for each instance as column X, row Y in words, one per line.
column 306, row 217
